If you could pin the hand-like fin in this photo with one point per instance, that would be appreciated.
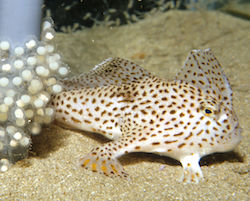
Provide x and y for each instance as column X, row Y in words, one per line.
column 191, row 169
column 102, row 160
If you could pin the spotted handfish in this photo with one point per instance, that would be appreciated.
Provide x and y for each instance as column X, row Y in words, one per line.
column 186, row 118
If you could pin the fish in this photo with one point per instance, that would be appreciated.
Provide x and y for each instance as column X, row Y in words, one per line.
column 185, row 118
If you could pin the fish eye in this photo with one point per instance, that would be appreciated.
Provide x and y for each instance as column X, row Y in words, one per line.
column 208, row 111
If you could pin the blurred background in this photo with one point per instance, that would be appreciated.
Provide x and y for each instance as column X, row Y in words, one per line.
column 78, row 14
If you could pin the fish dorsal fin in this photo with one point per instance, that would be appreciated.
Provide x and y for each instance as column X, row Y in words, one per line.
column 112, row 71
column 203, row 70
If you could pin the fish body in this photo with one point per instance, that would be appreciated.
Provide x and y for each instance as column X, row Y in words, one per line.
column 185, row 118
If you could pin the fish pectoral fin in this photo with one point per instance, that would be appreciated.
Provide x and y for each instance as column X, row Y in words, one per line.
column 102, row 160
column 191, row 169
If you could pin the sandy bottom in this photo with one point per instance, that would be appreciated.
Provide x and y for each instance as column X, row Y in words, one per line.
column 159, row 43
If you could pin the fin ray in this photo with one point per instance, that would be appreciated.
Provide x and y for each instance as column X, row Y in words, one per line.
column 112, row 71
column 101, row 160
column 203, row 69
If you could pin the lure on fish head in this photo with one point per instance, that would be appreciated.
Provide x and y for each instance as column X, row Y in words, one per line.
column 220, row 122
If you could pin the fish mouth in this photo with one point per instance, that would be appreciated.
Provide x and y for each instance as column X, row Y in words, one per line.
column 236, row 134
column 233, row 139
column 237, row 127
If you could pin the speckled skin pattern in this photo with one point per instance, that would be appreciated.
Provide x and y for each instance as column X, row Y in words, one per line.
column 185, row 119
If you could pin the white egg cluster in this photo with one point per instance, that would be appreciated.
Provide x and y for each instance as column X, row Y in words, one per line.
column 28, row 78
